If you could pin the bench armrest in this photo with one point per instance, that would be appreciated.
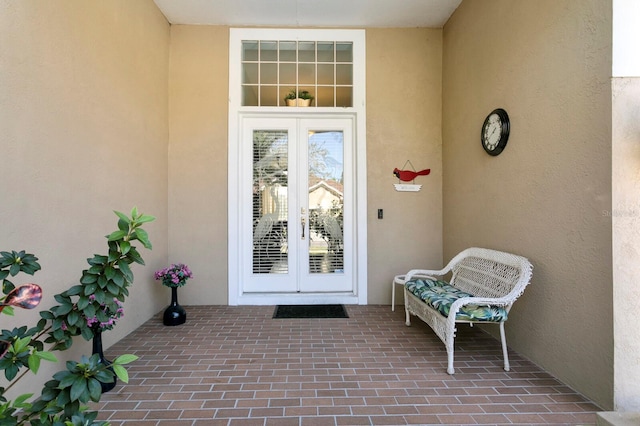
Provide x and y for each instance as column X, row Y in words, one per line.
column 422, row 273
column 433, row 273
column 506, row 301
column 481, row 301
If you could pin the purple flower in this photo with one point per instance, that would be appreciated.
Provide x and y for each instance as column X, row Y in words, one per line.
column 113, row 314
column 175, row 275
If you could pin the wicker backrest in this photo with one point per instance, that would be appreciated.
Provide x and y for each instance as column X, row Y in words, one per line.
column 490, row 273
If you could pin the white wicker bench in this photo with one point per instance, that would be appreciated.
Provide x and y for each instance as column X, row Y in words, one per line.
column 482, row 288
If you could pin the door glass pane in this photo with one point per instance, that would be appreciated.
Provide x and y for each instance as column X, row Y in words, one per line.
column 325, row 96
column 344, row 52
column 325, row 74
column 270, row 196
column 268, row 73
column 344, row 74
column 250, row 73
column 268, row 51
column 307, row 51
column 250, row 95
column 306, row 73
column 325, row 51
column 249, row 50
column 326, row 201
column 344, row 96
column 288, row 74
column 269, row 96
column 288, row 51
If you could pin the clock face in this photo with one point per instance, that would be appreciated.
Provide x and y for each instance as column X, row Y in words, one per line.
column 495, row 132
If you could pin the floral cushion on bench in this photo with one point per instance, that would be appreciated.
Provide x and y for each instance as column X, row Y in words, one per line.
column 440, row 295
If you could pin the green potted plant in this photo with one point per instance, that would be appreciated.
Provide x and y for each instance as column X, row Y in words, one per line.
column 298, row 98
column 86, row 309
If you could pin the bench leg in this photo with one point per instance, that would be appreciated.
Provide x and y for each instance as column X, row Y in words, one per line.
column 393, row 294
column 407, row 315
column 450, row 346
column 504, row 347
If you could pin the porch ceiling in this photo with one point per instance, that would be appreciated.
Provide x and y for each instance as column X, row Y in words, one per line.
column 310, row 13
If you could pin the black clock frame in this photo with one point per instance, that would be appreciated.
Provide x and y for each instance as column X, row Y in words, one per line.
column 504, row 134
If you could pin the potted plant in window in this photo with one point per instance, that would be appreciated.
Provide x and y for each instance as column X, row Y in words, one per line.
column 298, row 98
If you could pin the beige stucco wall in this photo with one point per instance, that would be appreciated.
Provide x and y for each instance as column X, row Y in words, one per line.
column 404, row 114
column 198, row 93
column 626, row 234
column 548, row 195
column 83, row 119
column 402, row 127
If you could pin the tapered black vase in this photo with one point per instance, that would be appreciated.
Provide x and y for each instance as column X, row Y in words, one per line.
column 97, row 349
column 174, row 314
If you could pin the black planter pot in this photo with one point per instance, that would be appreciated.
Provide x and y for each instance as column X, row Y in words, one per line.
column 174, row 314
column 97, row 349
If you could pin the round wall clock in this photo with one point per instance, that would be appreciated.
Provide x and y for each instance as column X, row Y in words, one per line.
column 495, row 131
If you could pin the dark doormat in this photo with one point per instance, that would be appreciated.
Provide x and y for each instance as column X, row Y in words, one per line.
column 310, row 311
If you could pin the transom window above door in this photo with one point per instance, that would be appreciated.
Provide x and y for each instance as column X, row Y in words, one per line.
column 280, row 68
column 277, row 72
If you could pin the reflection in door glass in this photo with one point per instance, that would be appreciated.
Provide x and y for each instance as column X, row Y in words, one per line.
column 326, row 202
column 270, row 193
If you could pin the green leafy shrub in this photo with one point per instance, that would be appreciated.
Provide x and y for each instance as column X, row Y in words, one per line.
column 81, row 310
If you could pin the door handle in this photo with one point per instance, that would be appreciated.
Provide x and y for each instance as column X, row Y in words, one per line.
column 303, row 223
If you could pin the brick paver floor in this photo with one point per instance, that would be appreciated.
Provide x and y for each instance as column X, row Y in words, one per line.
column 237, row 366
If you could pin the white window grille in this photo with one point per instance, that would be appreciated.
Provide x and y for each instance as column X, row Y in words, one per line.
column 320, row 70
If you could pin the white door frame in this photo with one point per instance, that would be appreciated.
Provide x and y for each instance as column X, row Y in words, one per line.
column 235, row 154
column 298, row 278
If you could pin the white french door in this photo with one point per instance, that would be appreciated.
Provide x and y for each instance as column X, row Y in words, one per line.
column 297, row 206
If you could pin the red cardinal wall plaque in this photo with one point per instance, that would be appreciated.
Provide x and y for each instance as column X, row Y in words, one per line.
column 409, row 175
